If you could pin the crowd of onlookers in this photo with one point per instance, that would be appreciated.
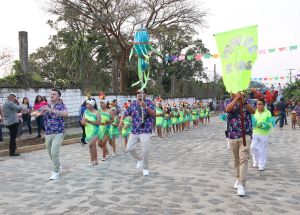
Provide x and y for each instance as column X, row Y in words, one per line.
column 24, row 116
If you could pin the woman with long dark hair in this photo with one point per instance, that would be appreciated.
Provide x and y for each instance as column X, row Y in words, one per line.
column 26, row 116
column 44, row 99
column 38, row 103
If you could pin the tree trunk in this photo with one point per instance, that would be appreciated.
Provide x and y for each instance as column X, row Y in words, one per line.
column 122, row 72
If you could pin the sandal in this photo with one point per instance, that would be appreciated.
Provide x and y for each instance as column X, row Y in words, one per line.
column 103, row 159
column 91, row 163
column 96, row 162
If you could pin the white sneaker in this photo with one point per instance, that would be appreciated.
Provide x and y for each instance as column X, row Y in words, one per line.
column 153, row 134
column 103, row 159
column 236, row 184
column 139, row 164
column 113, row 154
column 261, row 169
column 145, row 172
column 255, row 165
column 60, row 168
column 240, row 191
column 54, row 176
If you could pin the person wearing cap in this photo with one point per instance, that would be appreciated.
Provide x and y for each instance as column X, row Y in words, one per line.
column 141, row 129
column 240, row 153
column 53, row 114
column 262, row 123
column 91, row 120
column 160, row 118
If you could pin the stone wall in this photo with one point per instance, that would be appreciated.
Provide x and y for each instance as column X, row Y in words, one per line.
column 73, row 99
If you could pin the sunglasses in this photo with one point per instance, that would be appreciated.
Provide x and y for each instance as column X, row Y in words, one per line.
column 138, row 92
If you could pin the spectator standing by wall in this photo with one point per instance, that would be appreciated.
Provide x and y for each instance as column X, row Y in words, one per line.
column 118, row 109
column 19, row 115
column 283, row 112
column 26, row 116
column 40, row 119
column 10, row 120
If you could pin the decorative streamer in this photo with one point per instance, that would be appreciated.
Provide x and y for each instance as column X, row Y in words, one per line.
column 283, row 49
column 265, row 79
column 182, row 57
column 207, row 56
column 270, row 78
column 293, row 48
column 262, row 52
column 190, row 57
column 198, row 57
column 282, row 77
column 260, row 79
column 173, row 57
column 215, row 55
column 276, row 78
column 271, row 50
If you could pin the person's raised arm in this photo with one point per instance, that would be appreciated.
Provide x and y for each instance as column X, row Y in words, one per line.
column 61, row 113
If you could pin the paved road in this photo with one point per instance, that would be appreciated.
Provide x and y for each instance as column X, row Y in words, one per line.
column 190, row 173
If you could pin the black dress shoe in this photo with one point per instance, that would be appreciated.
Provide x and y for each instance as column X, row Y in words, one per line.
column 1, row 139
column 14, row 154
column 38, row 136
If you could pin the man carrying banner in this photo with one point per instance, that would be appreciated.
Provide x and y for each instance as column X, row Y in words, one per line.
column 240, row 153
column 238, row 53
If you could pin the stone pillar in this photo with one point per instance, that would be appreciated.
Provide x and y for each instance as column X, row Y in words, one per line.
column 23, row 51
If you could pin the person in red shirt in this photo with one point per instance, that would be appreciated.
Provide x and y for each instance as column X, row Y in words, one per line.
column 39, row 120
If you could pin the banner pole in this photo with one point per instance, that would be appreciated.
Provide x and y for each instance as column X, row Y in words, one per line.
column 242, row 122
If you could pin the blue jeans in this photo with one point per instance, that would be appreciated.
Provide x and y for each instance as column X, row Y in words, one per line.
column 282, row 117
column 40, row 123
column 27, row 119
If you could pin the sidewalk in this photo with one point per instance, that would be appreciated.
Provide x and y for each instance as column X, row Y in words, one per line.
column 69, row 131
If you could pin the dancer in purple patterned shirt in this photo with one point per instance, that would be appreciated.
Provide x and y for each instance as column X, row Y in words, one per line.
column 140, row 132
column 54, row 115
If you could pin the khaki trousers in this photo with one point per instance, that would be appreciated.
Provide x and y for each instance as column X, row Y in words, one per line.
column 53, row 143
column 240, row 155
column 134, row 139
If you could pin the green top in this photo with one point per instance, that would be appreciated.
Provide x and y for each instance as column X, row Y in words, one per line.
column 263, row 118
column 104, row 115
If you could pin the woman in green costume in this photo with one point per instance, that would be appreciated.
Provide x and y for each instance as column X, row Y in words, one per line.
column 114, row 129
column 91, row 119
column 106, row 120
column 181, row 117
column 207, row 113
column 201, row 113
column 160, row 118
column 127, row 126
column 166, row 121
column 174, row 117
column 194, row 115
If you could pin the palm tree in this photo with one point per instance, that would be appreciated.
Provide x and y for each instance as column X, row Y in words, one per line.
column 293, row 90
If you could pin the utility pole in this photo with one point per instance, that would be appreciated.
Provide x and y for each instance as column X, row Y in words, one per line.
column 290, row 74
column 23, row 51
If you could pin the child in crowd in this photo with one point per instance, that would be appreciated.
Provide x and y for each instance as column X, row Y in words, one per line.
column 294, row 119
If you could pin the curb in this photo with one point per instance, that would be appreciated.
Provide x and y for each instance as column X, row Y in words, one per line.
column 37, row 147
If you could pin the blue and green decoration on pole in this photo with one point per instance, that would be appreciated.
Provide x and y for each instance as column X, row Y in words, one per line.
column 141, row 47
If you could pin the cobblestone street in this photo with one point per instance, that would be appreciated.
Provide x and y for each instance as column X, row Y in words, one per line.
column 190, row 173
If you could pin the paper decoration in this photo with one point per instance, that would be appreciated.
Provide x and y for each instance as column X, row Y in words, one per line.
column 293, row 76
column 255, row 83
column 282, row 49
column 276, row 87
column 263, row 83
column 271, row 50
column 270, row 78
column 275, row 83
column 182, row 57
column 221, row 76
column 298, row 75
column 260, row 79
column 190, row 57
column 207, row 56
column 283, row 84
column 215, row 55
column 276, row 78
column 265, row 79
column 255, row 79
column 287, row 77
column 198, row 57
column 293, row 48
column 282, row 77
column 267, row 83
column 173, row 57
column 262, row 52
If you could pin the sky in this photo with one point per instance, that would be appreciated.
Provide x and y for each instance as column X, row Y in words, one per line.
column 278, row 26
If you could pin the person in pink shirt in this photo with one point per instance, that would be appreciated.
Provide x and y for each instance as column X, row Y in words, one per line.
column 39, row 120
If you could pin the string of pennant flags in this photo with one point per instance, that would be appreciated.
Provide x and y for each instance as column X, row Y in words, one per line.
column 208, row 56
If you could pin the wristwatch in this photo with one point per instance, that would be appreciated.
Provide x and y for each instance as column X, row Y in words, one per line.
column 89, row 121
column 147, row 107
